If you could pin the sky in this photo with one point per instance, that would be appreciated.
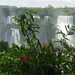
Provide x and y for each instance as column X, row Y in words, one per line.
column 38, row 3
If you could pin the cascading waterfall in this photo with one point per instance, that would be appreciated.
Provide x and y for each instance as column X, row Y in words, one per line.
column 6, row 36
column 10, row 20
column 15, row 37
column 63, row 21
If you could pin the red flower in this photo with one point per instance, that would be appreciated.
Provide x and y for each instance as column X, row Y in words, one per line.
column 59, row 53
column 44, row 45
column 73, row 60
column 60, row 67
column 54, row 54
column 24, row 58
column 49, row 41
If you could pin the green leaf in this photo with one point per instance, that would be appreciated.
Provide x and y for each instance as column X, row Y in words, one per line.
column 2, row 52
column 66, row 28
column 70, row 32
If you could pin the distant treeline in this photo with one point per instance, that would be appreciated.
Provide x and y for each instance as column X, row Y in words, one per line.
column 47, row 11
column 6, row 11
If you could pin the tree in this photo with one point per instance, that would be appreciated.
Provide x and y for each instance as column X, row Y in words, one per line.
column 4, row 46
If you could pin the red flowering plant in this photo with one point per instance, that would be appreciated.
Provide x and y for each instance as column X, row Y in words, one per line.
column 49, row 41
column 24, row 64
column 24, row 58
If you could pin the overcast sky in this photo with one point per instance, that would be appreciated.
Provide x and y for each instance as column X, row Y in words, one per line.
column 38, row 3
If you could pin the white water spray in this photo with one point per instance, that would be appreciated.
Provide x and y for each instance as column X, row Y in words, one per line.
column 15, row 37
column 61, row 23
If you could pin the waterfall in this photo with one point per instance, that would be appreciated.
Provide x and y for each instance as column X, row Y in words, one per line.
column 63, row 21
column 6, row 36
column 46, row 17
column 10, row 20
column 15, row 37
column 36, row 16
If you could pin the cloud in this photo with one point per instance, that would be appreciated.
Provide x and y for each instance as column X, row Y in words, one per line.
column 37, row 3
column 53, row 1
column 69, row 1
column 14, row 2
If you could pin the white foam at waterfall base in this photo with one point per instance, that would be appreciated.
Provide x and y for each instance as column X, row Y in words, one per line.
column 15, row 37
column 63, row 21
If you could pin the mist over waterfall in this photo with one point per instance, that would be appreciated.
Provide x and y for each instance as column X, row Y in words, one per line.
column 63, row 21
column 15, row 37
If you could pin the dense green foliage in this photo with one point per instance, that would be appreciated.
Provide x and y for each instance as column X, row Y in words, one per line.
column 4, row 46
